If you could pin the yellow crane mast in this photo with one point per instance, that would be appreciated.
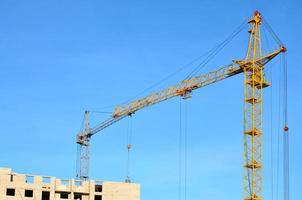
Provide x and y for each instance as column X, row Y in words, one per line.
column 253, row 84
column 254, row 81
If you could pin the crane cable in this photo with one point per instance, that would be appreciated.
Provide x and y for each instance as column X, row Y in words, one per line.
column 271, row 136
column 209, row 55
column 282, row 106
column 129, row 147
column 183, row 160
column 283, row 93
column 185, row 148
column 180, row 152
column 279, row 128
column 271, row 116
column 283, row 115
column 217, row 49
column 274, row 35
column 285, row 132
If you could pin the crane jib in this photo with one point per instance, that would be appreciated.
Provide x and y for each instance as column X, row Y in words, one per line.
column 181, row 89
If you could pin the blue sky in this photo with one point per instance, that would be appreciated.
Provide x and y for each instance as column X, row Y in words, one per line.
column 59, row 58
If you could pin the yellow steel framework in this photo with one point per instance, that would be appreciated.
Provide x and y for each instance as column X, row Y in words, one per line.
column 254, row 81
column 253, row 84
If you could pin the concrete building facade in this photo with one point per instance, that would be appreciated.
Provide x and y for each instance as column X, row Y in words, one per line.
column 15, row 186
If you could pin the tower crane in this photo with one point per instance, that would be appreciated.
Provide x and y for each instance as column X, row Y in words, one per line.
column 252, row 68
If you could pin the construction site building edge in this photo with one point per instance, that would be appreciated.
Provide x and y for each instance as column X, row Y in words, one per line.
column 14, row 186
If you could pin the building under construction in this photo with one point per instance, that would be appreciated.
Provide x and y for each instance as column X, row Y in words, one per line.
column 14, row 186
